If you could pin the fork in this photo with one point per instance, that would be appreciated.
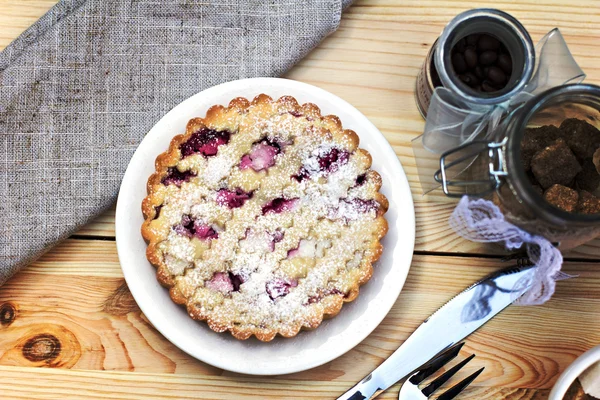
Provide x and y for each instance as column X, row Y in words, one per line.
column 410, row 389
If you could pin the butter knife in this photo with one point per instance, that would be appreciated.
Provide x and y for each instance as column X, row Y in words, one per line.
column 454, row 321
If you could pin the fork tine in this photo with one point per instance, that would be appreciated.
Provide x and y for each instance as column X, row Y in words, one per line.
column 459, row 387
column 433, row 386
column 435, row 364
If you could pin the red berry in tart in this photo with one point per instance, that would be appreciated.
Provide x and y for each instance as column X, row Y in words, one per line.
column 280, row 287
column 175, row 177
column 204, row 141
column 264, row 217
column 262, row 156
column 279, row 205
column 220, row 282
column 193, row 228
column 232, row 198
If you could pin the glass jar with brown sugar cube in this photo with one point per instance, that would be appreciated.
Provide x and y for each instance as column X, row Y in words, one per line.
column 543, row 166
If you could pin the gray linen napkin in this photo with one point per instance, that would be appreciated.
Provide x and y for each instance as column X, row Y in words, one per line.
column 82, row 86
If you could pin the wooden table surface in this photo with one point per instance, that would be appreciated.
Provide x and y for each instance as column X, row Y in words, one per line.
column 69, row 327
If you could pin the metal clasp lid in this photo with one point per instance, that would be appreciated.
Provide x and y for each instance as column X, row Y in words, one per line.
column 452, row 161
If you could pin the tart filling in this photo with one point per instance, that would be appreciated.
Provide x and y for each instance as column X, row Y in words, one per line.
column 264, row 217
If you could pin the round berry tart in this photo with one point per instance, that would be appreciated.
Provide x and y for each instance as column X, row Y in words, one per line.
column 264, row 217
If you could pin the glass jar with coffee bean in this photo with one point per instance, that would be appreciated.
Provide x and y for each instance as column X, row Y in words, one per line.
column 482, row 62
column 484, row 56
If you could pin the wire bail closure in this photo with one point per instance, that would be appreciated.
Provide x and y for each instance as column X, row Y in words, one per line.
column 474, row 149
column 455, row 120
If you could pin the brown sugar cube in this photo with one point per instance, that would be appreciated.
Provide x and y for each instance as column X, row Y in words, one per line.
column 581, row 137
column 588, row 203
column 555, row 164
column 562, row 197
column 534, row 140
column 576, row 392
column 596, row 160
column 588, row 179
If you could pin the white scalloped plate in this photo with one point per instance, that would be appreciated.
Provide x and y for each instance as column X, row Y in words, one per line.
column 308, row 349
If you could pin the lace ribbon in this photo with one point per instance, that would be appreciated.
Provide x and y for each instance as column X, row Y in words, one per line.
column 452, row 121
column 479, row 220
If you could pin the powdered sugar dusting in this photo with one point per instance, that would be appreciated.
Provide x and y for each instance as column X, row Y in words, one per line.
column 179, row 253
column 216, row 170
column 297, row 236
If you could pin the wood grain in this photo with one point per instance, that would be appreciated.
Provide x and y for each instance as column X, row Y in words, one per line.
column 29, row 383
column 70, row 329
column 85, row 320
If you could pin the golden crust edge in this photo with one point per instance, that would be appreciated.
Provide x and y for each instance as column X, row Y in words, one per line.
column 170, row 157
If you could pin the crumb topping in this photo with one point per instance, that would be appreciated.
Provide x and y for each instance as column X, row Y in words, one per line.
column 267, row 216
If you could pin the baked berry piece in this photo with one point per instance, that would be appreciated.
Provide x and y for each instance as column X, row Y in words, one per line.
column 264, row 217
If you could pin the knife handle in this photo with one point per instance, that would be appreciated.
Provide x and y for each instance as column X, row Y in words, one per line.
column 365, row 389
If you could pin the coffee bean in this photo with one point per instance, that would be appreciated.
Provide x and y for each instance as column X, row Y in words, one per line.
column 458, row 62
column 460, row 46
column 473, row 80
column 487, row 87
column 479, row 72
column 488, row 57
column 496, row 75
column 465, row 79
column 487, row 42
column 469, row 78
column 472, row 39
column 482, row 62
column 505, row 62
column 471, row 57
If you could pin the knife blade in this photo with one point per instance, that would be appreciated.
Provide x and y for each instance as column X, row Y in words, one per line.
column 451, row 323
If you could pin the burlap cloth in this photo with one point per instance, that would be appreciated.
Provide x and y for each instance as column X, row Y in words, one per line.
column 82, row 86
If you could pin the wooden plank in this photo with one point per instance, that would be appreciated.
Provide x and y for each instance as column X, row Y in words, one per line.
column 35, row 383
column 80, row 258
column 102, row 226
column 98, row 326
column 372, row 61
column 433, row 233
column 18, row 15
column 372, row 65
